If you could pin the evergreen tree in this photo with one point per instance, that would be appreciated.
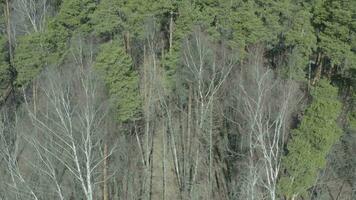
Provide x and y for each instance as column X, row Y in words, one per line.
column 299, row 32
column 189, row 16
column 37, row 50
column 271, row 13
column 333, row 21
column 29, row 58
column 298, row 42
column 55, row 41
column 108, row 18
column 74, row 15
column 311, row 141
column 121, row 79
column 240, row 24
column 5, row 71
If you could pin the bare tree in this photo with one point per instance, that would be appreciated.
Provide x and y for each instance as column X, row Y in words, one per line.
column 207, row 65
column 13, row 178
column 264, row 106
column 76, row 135
column 64, row 138
column 31, row 14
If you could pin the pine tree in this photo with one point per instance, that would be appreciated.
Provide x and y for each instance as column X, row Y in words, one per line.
column 29, row 58
column 5, row 71
column 311, row 141
column 37, row 50
column 55, row 41
column 298, row 41
column 74, row 15
column 121, row 79
column 333, row 21
column 108, row 18
column 240, row 25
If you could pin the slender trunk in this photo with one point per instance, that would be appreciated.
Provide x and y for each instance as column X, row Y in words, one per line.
column 164, row 160
column 309, row 76
column 353, row 186
column 189, row 138
column 183, row 149
column 171, row 32
column 195, row 149
column 8, row 29
column 151, row 162
column 211, row 152
column 330, row 72
column 127, row 43
column 340, row 190
column 34, row 96
column 319, row 69
column 105, row 173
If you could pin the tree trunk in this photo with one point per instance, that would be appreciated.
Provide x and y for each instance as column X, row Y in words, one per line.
column 330, row 72
column 105, row 173
column 211, row 171
column 319, row 69
column 353, row 186
column 189, row 142
column 127, row 43
column 340, row 190
column 171, row 32
column 34, row 96
column 8, row 29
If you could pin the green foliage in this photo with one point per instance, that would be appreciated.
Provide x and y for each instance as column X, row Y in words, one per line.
column 240, row 25
column 352, row 120
column 122, row 81
column 108, row 18
column 295, row 67
column 37, row 50
column 5, row 73
column 136, row 13
column 311, row 141
column 292, row 33
column 300, row 32
column 29, row 58
column 114, row 16
column 281, row 26
column 352, row 113
column 332, row 20
column 270, row 13
column 55, row 41
column 74, row 14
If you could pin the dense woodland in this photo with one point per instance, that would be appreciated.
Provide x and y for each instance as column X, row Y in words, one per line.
column 178, row 99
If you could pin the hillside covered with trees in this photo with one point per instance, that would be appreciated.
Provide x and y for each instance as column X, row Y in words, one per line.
column 178, row 100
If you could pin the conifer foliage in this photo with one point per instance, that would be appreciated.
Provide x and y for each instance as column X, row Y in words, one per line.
column 177, row 99
column 121, row 79
column 312, row 141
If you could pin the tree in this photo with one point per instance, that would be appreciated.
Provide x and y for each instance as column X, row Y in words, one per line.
column 332, row 21
column 75, row 15
column 63, row 139
column 55, row 41
column 209, row 71
column 259, row 112
column 267, row 126
column 31, row 15
column 311, row 141
column 29, row 58
column 244, row 26
column 5, row 70
column 108, row 18
column 299, row 42
column 121, row 79
column 36, row 50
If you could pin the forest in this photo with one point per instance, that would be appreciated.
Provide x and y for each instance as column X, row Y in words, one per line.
column 178, row 100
